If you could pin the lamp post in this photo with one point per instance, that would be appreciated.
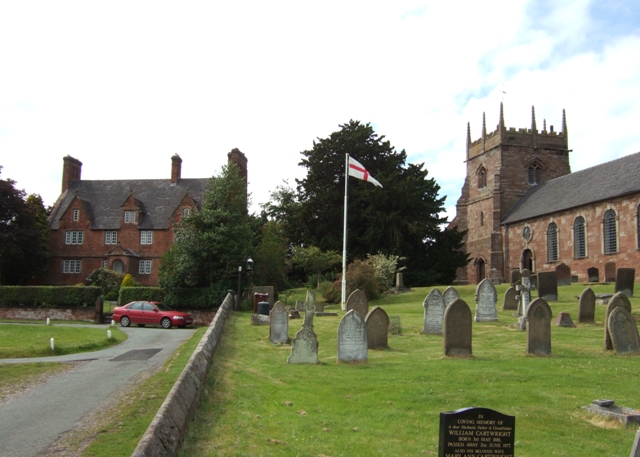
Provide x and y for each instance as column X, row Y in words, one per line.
column 249, row 271
column 239, row 296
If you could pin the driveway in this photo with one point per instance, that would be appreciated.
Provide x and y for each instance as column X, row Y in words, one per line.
column 29, row 422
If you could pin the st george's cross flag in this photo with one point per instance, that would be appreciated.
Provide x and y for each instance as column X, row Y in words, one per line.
column 358, row 171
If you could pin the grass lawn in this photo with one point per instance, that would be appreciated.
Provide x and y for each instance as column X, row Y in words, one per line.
column 255, row 404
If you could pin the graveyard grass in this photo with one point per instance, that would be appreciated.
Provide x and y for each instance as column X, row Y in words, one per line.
column 255, row 404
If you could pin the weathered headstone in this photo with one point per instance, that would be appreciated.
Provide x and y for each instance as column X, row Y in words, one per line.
column 486, row 299
column 494, row 276
column 563, row 275
column 539, row 327
column 395, row 325
column 625, row 277
column 377, row 322
column 548, row 285
column 279, row 324
column 299, row 305
column 304, row 348
column 609, row 272
column 593, row 274
column 510, row 301
column 623, row 331
column 449, row 295
column 400, row 288
column 618, row 299
column 457, row 329
column 563, row 319
column 587, row 306
column 524, row 298
column 516, row 275
column 358, row 302
column 476, row 431
column 352, row 338
column 433, row 313
column 635, row 449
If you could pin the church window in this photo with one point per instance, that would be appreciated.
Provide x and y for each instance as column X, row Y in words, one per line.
column 534, row 174
column 552, row 242
column 579, row 243
column 610, row 232
column 482, row 178
column 481, row 218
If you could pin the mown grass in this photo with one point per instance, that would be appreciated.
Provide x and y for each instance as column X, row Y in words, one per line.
column 256, row 404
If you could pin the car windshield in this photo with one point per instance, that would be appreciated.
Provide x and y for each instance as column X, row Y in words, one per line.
column 162, row 307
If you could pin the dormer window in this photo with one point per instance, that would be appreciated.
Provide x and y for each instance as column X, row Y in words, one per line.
column 76, row 215
column 534, row 174
column 186, row 212
column 129, row 217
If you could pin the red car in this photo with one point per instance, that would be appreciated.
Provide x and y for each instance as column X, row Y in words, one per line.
column 150, row 312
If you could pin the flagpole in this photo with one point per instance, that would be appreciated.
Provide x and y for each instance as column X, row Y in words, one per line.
column 344, row 235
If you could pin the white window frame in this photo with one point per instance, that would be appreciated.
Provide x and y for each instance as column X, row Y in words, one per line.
column 111, row 237
column 146, row 237
column 105, row 264
column 186, row 212
column 74, row 237
column 130, row 217
column 71, row 266
column 76, row 215
column 144, row 267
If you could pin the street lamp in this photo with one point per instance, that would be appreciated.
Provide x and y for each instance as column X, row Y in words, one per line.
column 249, row 271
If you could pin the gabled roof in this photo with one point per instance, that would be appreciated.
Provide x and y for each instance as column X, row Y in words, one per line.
column 608, row 180
column 157, row 198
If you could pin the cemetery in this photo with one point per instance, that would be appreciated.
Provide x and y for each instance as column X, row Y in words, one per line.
column 344, row 397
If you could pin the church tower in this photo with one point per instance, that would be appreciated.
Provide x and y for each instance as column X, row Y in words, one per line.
column 501, row 166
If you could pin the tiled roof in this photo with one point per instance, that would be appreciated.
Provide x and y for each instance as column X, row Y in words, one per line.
column 608, row 180
column 102, row 200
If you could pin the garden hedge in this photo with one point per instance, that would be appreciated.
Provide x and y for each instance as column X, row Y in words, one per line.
column 49, row 296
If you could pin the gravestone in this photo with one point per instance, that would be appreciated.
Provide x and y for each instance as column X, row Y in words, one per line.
column 304, row 348
column 377, row 328
column 587, row 306
column 609, row 272
column 539, row 328
column 618, row 299
column 563, row 319
column 563, row 275
column 395, row 325
column 457, row 325
column 319, row 308
column 299, row 305
column 400, row 288
column 358, row 302
column 623, row 331
column 270, row 290
column 548, row 285
column 494, row 276
column 279, row 324
column 352, row 338
column 433, row 313
column 524, row 298
column 635, row 449
column 486, row 299
column 625, row 277
column 593, row 274
column 510, row 301
column 516, row 275
column 449, row 295
column 475, row 432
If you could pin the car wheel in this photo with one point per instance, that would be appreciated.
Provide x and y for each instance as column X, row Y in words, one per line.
column 125, row 321
column 165, row 322
column 141, row 325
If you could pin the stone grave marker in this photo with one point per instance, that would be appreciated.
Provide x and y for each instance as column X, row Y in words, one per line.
column 539, row 328
column 395, row 325
column 516, row 275
column 352, row 338
column 433, row 313
column 618, row 299
column 449, row 295
column 377, row 322
column 563, row 275
column 524, row 298
column 587, row 306
column 494, row 277
column 625, row 277
column 400, row 288
column 609, row 272
column 299, row 305
column 475, row 432
column 486, row 299
column 304, row 348
column 563, row 319
column 635, row 449
column 358, row 302
column 457, row 326
column 319, row 308
column 279, row 324
column 510, row 301
column 594, row 274
column 548, row 285
column 623, row 331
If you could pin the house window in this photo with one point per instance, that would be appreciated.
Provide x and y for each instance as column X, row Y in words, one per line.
column 579, row 244
column 146, row 237
column 144, row 267
column 482, row 178
column 638, row 226
column 534, row 174
column 552, row 242
column 610, row 232
column 74, row 237
column 111, row 237
column 129, row 217
column 186, row 212
column 76, row 215
column 105, row 264
column 71, row 266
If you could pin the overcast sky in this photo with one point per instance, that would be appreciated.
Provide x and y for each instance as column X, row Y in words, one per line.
column 124, row 85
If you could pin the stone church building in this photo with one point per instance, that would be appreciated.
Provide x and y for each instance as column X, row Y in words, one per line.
column 122, row 225
column 523, row 208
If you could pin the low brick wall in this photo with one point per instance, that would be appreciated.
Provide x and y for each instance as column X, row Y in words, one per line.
column 37, row 314
column 166, row 432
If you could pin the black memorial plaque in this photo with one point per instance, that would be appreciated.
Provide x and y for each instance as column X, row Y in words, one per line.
column 476, row 432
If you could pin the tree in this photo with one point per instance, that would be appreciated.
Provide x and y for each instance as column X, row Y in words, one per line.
column 271, row 256
column 402, row 219
column 314, row 261
column 24, row 235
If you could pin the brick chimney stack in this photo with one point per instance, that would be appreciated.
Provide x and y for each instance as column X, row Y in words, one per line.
column 236, row 156
column 176, row 168
column 71, row 171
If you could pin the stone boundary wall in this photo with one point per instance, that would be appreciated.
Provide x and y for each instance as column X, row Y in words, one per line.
column 166, row 432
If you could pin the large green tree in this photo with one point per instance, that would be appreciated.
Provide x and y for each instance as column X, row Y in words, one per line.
column 403, row 218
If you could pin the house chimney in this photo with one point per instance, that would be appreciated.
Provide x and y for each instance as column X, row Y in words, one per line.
column 176, row 168
column 71, row 171
column 236, row 156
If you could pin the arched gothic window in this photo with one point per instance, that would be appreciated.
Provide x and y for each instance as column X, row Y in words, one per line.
column 579, row 238
column 482, row 178
column 552, row 242
column 610, row 232
column 534, row 173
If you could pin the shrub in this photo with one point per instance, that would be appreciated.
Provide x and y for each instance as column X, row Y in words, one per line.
column 48, row 296
column 331, row 292
column 108, row 280
column 128, row 281
column 385, row 268
column 361, row 275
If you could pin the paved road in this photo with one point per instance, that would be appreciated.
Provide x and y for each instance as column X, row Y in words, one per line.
column 31, row 421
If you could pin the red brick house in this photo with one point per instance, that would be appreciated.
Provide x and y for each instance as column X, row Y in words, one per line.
column 123, row 225
column 523, row 208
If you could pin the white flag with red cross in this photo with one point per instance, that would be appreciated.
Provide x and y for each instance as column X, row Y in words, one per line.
column 358, row 171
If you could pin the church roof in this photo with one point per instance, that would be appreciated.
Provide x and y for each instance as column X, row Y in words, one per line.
column 157, row 200
column 601, row 182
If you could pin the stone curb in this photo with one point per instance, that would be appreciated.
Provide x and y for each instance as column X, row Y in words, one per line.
column 166, row 432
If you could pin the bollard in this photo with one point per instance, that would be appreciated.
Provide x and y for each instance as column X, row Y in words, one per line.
column 113, row 323
column 51, row 344
column 48, row 321
column 108, row 334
